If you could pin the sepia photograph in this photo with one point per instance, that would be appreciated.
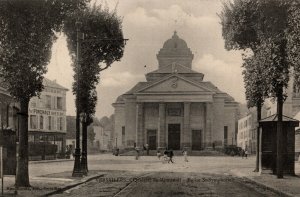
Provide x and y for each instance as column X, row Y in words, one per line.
column 149, row 98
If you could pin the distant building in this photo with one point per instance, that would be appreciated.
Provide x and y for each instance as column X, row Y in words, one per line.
column 246, row 138
column 71, row 131
column 8, row 110
column 47, row 116
column 247, row 130
column 102, row 138
column 175, row 107
column 297, row 135
column 291, row 108
column 291, row 105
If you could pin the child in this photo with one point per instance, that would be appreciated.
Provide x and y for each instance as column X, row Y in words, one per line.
column 158, row 154
column 184, row 152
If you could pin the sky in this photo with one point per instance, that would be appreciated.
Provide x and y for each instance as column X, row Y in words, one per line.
column 148, row 24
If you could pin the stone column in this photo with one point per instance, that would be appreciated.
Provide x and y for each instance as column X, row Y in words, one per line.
column 162, row 126
column 208, row 125
column 139, row 125
column 186, row 141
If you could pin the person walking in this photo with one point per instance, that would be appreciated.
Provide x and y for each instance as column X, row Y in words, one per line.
column 166, row 156
column 136, row 153
column 147, row 149
column 243, row 153
column 246, row 153
column 171, row 154
column 158, row 154
column 184, row 152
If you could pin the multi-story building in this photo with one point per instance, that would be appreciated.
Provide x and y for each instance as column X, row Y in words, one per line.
column 247, row 129
column 246, row 137
column 291, row 108
column 47, row 116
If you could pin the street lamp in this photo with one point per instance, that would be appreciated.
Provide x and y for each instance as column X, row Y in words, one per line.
column 84, row 166
column 77, row 172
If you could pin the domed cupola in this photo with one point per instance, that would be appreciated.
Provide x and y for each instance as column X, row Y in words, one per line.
column 175, row 50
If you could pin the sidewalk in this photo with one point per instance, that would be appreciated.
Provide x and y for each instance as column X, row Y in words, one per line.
column 47, row 176
column 289, row 185
column 47, row 184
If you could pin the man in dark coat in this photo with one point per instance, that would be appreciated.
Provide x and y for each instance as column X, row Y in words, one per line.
column 170, row 155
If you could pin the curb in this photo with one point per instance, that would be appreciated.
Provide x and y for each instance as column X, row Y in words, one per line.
column 50, row 161
column 259, row 184
column 84, row 180
column 277, row 191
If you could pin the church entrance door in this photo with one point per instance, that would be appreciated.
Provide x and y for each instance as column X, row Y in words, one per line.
column 174, row 136
column 196, row 139
column 151, row 136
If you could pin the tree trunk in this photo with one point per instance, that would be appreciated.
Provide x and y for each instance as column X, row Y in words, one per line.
column 84, row 165
column 258, row 106
column 22, row 176
column 279, row 162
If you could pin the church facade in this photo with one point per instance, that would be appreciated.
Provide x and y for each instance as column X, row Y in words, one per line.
column 175, row 108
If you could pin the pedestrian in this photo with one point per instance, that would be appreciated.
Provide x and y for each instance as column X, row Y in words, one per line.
column 246, row 153
column 171, row 154
column 158, row 154
column 243, row 153
column 213, row 145
column 144, row 148
column 136, row 153
column 184, row 152
column 147, row 149
column 166, row 153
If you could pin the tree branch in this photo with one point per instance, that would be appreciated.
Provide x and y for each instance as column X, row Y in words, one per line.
column 106, row 67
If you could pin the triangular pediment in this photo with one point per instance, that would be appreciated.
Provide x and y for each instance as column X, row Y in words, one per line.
column 175, row 83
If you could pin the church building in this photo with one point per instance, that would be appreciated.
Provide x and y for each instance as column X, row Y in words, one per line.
column 175, row 108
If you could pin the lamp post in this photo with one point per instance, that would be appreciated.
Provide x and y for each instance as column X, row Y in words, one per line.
column 77, row 172
column 84, row 166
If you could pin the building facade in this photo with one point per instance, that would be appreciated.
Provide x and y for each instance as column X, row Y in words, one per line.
column 47, row 116
column 247, row 130
column 102, row 138
column 175, row 108
column 8, row 111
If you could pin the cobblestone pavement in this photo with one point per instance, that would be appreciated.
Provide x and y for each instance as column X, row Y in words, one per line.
column 121, row 183
column 46, row 177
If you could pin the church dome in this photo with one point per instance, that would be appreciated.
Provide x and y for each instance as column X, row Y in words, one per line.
column 175, row 42
column 175, row 50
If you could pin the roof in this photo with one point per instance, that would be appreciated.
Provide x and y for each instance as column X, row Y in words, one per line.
column 297, row 117
column 175, row 42
column 274, row 118
column 175, row 67
column 138, row 86
column 53, row 84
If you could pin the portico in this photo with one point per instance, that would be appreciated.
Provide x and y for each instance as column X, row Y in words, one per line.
column 175, row 108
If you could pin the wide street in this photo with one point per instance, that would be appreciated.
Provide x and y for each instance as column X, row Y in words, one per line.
column 167, row 184
column 125, row 176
